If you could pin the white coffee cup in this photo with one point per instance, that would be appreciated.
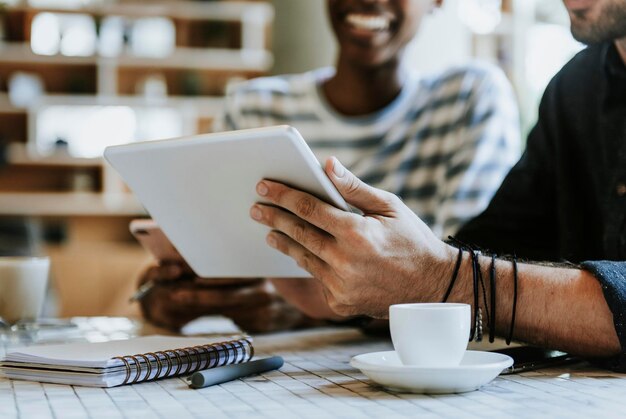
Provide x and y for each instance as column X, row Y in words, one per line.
column 430, row 334
column 23, row 283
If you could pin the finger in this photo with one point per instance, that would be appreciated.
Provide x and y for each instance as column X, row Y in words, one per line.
column 227, row 282
column 257, row 313
column 305, row 206
column 275, row 316
column 170, row 272
column 340, row 311
column 357, row 193
column 189, row 300
column 183, row 265
column 158, row 308
column 150, row 274
column 160, row 273
column 303, row 257
column 318, row 267
column 313, row 239
column 202, row 299
column 306, row 294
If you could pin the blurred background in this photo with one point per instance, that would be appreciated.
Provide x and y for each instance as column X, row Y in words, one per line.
column 79, row 75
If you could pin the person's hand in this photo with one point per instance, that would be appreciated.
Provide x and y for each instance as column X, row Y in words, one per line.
column 307, row 295
column 365, row 262
column 180, row 297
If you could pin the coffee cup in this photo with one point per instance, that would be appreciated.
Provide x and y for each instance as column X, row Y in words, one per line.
column 430, row 334
column 23, row 283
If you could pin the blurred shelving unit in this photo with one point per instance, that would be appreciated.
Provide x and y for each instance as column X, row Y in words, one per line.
column 211, row 43
column 78, row 75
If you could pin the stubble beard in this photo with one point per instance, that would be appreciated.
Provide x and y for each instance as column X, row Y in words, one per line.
column 608, row 26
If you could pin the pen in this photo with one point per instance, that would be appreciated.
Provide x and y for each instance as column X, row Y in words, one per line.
column 226, row 373
column 142, row 291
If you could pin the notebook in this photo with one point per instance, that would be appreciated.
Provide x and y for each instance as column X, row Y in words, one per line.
column 114, row 363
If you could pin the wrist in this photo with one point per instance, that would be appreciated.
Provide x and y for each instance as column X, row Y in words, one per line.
column 431, row 276
column 458, row 280
column 445, row 268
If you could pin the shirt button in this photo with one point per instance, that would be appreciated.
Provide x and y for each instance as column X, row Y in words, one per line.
column 621, row 189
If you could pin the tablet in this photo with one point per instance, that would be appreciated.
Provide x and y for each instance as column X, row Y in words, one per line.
column 152, row 238
column 199, row 190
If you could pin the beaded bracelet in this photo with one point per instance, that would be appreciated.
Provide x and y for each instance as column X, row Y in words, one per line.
column 477, row 277
column 482, row 284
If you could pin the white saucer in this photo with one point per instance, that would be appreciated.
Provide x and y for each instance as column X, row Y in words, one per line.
column 476, row 369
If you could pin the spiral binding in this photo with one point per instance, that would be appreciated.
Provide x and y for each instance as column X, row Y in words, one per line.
column 220, row 352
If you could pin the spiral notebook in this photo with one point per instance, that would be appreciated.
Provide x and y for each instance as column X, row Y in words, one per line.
column 114, row 363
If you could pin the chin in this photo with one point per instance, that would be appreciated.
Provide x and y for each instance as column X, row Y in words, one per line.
column 593, row 33
column 371, row 59
column 604, row 22
column 370, row 63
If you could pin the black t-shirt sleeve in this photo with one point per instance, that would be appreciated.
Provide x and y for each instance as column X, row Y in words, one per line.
column 520, row 217
column 612, row 278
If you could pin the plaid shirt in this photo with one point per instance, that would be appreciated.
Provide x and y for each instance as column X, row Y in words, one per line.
column 443, row 145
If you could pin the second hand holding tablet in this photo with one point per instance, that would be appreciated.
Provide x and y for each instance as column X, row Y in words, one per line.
column 227, row 373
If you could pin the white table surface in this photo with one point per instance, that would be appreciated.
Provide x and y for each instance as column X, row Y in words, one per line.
column 317, row 381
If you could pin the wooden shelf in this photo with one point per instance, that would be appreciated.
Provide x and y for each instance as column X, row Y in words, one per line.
column 187, row 10
column 21, row 53
column 223, row 59
column 39, row 177
column 190, row 71
column 7, row 107
column 19, row 155
column 68, row 204
column 245, row 25
column 182, row 58
column 13, row 127
column 13, row 122
column 193, row 106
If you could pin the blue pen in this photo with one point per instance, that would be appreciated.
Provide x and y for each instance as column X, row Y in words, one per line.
column 226, row 373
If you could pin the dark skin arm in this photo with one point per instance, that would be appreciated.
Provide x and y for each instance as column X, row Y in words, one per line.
column 180, row 297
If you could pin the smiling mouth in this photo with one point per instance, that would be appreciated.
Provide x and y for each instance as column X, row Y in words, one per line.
column 368, row 22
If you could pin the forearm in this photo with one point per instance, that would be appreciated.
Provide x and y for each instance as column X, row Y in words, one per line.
column 561, row 308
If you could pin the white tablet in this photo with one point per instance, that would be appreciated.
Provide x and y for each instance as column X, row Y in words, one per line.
column 200, row 189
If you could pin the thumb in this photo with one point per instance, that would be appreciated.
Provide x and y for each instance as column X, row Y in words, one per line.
column 357, row 193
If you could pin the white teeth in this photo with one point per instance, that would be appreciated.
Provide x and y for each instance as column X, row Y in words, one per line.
column 368, row 22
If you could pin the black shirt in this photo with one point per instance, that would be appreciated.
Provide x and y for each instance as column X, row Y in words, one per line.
column 566, row 197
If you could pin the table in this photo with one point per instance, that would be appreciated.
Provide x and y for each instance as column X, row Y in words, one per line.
column 317, row 381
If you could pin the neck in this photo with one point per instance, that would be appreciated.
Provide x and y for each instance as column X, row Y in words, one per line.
column 621, row 48
column 356, row 90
